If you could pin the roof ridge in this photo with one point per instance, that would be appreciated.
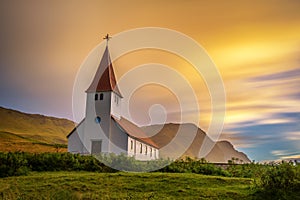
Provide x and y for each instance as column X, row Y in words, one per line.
column 134, row 131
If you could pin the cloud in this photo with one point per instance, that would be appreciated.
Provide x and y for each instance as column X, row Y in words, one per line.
column 279, row 76
column 259, row 98
column 255, row 118
column 241, row 140
column 274, row 121
column 292, row 157
column 285, row 154
column 292, row 136
column 279, row 152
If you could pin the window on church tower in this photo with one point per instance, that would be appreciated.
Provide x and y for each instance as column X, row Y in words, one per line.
column 96, row 97
column 101, row 96
column 98, row 120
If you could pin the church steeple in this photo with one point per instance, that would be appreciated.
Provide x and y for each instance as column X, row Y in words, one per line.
column 104, row 79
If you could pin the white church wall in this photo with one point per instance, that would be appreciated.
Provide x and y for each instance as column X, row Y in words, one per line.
column 131, row 146
column 116, row 103
column 156, row 153
column 112, row 137
column 143, row 151
column 118, row 139
column 75, row 144
column 92, row 129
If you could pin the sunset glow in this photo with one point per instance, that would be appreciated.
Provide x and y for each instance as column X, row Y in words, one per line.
column 255, row 46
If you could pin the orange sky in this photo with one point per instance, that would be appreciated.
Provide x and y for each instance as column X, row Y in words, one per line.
column 43, row 44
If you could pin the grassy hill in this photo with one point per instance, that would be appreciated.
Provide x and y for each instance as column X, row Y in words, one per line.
column 32, row 132
column 88, row 185
column 37, row 133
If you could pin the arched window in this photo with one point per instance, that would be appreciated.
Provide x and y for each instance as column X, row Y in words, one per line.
column 150, row 151
column 131, row 144
column 96, row 97
column 101, row 96
column 146, row 150
column 141, row 148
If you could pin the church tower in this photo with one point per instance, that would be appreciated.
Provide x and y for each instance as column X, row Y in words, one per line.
column 103, row 102
column 104, row 130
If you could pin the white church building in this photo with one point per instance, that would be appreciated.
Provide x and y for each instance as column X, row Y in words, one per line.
column 104, row 130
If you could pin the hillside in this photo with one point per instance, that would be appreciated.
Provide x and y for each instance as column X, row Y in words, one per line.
column 37, row 133
column 32, row 132
column 221, row 152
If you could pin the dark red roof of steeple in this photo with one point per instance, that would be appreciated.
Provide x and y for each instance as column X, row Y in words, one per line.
column 104, row 79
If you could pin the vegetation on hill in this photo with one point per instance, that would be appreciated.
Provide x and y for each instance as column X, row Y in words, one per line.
column 32, row 132
column 20, row 163
column 10, row 142
column 259, row 181
column 34, row 126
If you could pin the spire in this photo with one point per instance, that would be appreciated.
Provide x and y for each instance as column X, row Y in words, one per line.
column 104, row 79
column 107, row 37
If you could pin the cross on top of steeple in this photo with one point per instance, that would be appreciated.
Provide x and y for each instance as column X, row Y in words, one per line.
column 107, row 37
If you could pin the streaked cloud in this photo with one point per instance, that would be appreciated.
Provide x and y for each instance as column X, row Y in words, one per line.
column 279, row 76
column 255, row 45
column 291, row 157
column 285, row 154
column 292, row 136
column 279, row 152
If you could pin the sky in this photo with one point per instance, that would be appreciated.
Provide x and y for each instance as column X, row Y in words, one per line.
column 254, row 44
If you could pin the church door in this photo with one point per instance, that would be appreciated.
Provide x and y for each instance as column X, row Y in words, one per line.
column 96, row 146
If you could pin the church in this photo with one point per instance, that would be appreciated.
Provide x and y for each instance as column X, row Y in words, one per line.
column 104, row 130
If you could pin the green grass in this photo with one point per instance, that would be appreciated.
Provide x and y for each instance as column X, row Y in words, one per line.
column 10, row 142
column 89, row 185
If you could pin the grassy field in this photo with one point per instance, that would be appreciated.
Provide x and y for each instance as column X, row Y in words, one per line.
column 89, row 185
column 10, row 142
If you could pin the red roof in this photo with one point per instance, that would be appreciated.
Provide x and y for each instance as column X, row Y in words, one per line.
column 104, row 79
column 134, row 131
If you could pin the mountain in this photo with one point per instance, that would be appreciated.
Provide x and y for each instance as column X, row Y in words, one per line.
column 172, row 137
column 32, row 132
column 37, row 133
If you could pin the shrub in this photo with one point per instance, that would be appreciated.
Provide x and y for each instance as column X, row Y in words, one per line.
column 130, row 164
column 20, row 163
column 280, row 181
column 251, row 170
column 190, row 165
column 13, row 164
